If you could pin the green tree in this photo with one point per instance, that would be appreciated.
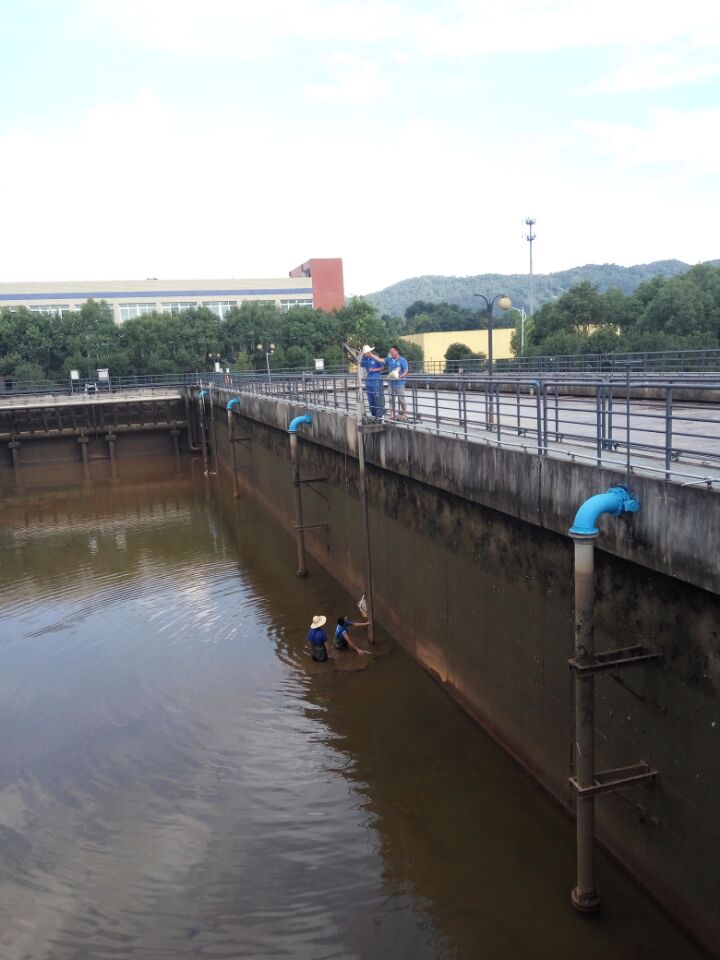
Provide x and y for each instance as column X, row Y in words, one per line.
column 461, row 351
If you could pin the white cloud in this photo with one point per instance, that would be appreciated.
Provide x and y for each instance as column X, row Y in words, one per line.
column 125, row 193
column 658, row 71
column 688, row 141
column 243, row 28
column 455, row 28
column 356, row 81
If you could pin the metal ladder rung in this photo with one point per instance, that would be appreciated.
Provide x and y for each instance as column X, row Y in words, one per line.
column 613, row 659
column 609, row 780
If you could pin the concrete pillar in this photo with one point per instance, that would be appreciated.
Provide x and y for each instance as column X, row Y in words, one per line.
column 175, row 434
column 110, row 439
column 14, row 446
column 83, row 441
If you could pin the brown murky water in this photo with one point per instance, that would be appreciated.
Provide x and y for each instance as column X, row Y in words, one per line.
column 177, row 779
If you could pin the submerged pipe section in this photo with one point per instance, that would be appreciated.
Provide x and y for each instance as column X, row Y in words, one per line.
column 231, row 438
column 584, row 531
column 297, row 492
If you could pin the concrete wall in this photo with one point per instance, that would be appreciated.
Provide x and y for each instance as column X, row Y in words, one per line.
column 435, row 344
column 473, row 575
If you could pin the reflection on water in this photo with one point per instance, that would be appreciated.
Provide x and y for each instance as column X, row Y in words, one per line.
column 178, row 780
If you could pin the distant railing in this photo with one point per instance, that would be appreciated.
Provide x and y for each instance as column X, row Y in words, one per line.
column 662, row 361
column 17, row 388
column 611, row 423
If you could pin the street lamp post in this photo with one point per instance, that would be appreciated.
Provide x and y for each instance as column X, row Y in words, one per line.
column 268, row 349
column 504, row 302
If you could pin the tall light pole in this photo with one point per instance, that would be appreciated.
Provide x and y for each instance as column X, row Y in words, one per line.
column 504, row 302
column 523, row 318
column 268, row 349
column 530, row 236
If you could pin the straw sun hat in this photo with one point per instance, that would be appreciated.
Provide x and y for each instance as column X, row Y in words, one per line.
column 367, row 349
column 318, row 622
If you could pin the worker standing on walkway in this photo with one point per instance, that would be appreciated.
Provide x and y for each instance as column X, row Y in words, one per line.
column 342, row 636
column 398, row 370
column 373, row 365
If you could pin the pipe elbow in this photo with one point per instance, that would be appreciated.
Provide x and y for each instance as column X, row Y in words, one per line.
column 203, row 393
column 231, row 403
column 296, row 421
column 617, row 500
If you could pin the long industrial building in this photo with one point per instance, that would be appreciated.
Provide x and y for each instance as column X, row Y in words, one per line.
column 316, row 283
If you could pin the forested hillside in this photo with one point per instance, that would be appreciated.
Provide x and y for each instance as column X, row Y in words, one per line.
column 397, row 298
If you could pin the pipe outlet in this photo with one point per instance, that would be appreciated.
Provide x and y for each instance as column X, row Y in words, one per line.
column 617, row 500
column 231, row 403
column 203, row 393
column 296, row 421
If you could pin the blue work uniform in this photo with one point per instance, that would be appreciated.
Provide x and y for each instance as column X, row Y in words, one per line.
column 317, row 639
column 373, row 385
column 340, row 641
column 401, row 365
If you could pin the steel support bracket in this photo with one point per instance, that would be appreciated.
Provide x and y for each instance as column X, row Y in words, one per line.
column 310, row 480
column 608, row 781
column 309, row 526
column 613, row 660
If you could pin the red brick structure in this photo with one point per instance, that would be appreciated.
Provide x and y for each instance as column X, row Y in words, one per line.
column 327, row 281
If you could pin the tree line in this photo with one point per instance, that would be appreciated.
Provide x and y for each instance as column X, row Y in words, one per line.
column 677, row 313
column 38, row 346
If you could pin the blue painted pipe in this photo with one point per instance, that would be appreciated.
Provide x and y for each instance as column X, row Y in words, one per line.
column 203, row 393
column 616, row 501
column 232, row 402
column 298, row 420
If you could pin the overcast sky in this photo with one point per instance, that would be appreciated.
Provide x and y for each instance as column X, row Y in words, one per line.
column 214, row 138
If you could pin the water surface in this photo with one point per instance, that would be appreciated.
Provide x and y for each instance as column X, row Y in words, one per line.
column 177, row 779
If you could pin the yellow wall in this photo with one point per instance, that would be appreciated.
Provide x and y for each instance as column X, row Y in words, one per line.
column 434, row 345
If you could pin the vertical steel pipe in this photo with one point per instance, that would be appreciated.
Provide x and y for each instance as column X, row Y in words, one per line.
column 584, row 895
column 213, row 433
column 233, row 451
column 297, row 492
column 367, row 557
column 584, row 531
column 668, row 430
column 297, row 497
column 203, row 434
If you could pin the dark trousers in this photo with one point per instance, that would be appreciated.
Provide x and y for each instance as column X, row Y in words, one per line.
column 374, row 390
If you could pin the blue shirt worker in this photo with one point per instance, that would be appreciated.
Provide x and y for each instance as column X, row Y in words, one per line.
column 342, row 637
column 398, row 370
column 373, row 366
column 317, row 638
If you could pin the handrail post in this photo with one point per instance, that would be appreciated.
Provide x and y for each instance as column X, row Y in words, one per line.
column 668, row 430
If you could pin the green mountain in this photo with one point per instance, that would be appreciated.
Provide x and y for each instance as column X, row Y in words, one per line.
column 397, row 298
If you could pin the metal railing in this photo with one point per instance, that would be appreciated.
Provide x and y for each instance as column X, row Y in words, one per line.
column 669, row 436
column 659, row 425
column 19, row 388
column 662, row 361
